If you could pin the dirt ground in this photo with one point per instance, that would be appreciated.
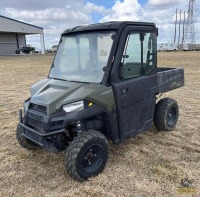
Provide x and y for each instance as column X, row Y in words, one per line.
column 152, row 164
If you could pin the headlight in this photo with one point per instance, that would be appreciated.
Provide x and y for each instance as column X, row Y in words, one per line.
column 76, row 106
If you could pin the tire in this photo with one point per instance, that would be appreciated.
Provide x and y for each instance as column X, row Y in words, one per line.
column 86, row 155
column 166, row 114
column 25, row 143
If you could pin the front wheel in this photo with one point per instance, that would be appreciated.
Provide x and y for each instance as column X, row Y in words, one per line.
column 86, row 155
column 166, row 114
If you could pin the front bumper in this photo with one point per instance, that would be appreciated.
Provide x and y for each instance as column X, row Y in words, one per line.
column 47, row 130
column 41, row 139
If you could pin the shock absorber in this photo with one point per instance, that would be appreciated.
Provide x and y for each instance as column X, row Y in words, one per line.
column 79, row 127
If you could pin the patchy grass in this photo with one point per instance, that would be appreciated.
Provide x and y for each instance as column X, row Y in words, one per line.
column 152, row 164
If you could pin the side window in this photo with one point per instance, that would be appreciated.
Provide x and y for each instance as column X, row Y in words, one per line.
column 139, row 56
column 131, row 59
column 149, row 52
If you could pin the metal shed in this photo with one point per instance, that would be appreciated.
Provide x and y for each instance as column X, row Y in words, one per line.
column 13, row 35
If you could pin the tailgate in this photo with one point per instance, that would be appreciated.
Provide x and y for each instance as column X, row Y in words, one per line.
column 170, row 79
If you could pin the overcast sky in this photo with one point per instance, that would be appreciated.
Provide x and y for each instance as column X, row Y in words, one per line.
column 56, row 16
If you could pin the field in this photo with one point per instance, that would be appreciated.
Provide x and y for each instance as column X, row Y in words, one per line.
column 152, row 164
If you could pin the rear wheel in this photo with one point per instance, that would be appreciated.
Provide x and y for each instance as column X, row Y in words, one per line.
column 25, row 143
column 166, row 114
column 86, row 155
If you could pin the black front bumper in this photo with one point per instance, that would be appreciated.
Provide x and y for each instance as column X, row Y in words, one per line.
column 47, row 130
column 41, row 139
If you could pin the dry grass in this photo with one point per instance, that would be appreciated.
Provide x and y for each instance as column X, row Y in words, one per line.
column 152, row 164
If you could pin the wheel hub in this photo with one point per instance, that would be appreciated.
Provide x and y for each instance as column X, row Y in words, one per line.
column 171, row 118
column 92, row 158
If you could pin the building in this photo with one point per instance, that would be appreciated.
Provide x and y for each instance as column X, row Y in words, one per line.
column 13, row 35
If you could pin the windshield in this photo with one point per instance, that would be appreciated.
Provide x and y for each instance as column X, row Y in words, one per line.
column 82, row 57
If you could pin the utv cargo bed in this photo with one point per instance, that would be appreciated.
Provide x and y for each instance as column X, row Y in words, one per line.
column 170, row 79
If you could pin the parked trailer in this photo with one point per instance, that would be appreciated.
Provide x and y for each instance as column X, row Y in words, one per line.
column 167, row 47
column 188, row 47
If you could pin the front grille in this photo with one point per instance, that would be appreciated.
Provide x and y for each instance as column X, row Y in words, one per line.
column 35, row 116
column 35, row 120
column 38, row 108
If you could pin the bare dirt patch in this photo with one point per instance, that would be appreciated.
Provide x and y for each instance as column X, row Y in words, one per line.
column 152, row 164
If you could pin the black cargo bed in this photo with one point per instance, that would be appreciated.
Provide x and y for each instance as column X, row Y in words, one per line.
column 170, row 79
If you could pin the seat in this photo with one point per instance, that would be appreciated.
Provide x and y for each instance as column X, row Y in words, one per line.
column 130, row 70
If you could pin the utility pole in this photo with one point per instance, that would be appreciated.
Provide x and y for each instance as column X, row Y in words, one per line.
column 175, row 26
column 179, row 32
column 183, row 29
column 189, row 29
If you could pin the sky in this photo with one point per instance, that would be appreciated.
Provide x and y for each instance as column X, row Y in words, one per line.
column 56, row 16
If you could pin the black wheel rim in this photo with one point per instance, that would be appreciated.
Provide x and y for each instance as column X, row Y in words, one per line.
column 92, row 158
column 171, row 117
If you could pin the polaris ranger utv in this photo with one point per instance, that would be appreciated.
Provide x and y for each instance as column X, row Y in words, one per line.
column 103, row 84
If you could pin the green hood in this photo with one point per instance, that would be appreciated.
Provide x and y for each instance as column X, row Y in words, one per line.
column 55, row 93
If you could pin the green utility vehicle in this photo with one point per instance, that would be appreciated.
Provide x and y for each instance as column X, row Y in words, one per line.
column 104, row 83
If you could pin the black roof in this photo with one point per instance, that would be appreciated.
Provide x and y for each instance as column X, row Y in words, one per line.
column 114, row 25
column 20, row 22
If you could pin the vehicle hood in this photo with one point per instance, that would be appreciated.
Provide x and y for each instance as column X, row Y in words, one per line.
column 54, row 93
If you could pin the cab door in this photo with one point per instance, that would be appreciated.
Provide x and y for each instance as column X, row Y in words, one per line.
column 134, row 81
